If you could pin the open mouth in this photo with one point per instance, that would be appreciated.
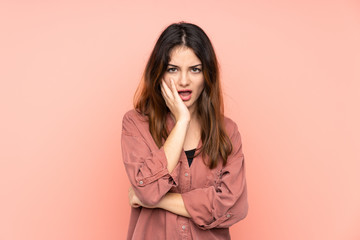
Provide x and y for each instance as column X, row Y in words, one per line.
column 185, row 95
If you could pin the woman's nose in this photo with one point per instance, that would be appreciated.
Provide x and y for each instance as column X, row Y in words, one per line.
column 184, row 79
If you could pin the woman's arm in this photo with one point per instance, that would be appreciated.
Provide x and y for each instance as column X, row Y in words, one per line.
column 174, row 203
column 225, row 203
column 175, row 141
column 171, row 202
column 174, row 144
column 152, row 172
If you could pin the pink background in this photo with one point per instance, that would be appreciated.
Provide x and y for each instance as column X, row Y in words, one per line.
column 291, row 81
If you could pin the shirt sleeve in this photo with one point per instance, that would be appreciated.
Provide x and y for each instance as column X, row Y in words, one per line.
column 226, row 203
column 145, row 166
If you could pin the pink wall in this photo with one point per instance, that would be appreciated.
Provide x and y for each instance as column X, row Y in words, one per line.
column 291, row 80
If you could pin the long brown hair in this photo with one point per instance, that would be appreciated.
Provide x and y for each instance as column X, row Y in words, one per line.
column 210, row 109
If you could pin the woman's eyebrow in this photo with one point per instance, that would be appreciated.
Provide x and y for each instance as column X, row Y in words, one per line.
column 189, row 67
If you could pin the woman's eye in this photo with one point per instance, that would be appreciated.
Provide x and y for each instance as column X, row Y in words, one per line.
column 196, row 70
column 171, row 69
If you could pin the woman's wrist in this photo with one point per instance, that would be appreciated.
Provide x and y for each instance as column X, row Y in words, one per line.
column 162, row 202
column 174, row 203
column 183, row 122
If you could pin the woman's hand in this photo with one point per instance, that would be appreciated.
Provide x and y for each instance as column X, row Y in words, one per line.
column 174, row 102
column 134, row 201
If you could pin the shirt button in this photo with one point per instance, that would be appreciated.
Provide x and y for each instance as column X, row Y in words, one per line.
column 186, row 174
column 228, row 215
column 141, row 182
column 183, row 227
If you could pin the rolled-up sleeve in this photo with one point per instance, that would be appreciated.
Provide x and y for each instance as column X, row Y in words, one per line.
column 146, row 167
column 224, row 204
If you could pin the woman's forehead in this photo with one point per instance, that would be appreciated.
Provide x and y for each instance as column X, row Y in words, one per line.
column 183, row 56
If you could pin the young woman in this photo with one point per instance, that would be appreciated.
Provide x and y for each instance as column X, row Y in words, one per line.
column 183, row 157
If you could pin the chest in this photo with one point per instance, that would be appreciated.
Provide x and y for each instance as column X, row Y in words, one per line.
column 198, row 175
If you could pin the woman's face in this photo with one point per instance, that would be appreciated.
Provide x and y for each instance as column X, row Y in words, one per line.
column 186, row 70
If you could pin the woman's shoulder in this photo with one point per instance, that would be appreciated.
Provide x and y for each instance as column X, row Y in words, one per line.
column 233, row 133
column 134, row 120
column 134, row 114
column 230, row 125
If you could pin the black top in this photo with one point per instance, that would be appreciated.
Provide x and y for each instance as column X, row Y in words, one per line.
column 190, row 155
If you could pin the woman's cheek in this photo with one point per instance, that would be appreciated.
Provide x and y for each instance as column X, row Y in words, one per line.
column 198, row 78
column 169, row 76
column 167, row 79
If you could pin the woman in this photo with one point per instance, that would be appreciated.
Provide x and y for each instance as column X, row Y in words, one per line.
column 183, row 157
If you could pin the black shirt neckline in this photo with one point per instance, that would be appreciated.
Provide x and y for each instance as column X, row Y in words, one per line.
column 189, row 154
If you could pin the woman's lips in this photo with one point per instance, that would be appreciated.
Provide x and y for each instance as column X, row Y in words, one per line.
column 185, row 95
